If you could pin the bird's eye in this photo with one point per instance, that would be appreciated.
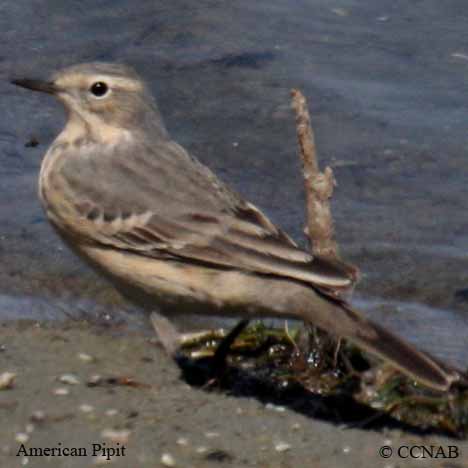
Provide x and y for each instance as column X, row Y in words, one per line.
column 99, row 89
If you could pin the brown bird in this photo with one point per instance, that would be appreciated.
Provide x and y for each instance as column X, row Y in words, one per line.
column 175, row 239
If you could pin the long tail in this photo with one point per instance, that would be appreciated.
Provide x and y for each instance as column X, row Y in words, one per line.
column 378, row 341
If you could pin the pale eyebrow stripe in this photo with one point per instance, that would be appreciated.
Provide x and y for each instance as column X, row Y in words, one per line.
column 128, row 84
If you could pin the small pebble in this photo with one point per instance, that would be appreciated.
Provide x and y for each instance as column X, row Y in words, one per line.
column 69, row 379
column 61, row 391
column 271, row 406
column 182, row 441
column 85, row 408
column 201, row 449
column 7, row 380
column 167, row 460
column 211, row 435
column 38, row 416
column 116, row 436
column 295, row 426
column 94, row 380
column 346, row 449
column 21, row 437
column 29, row 428
column 85, row 357
column 111, row 412
column 282, row 447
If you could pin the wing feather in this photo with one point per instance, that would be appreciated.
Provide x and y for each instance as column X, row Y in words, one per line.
column 154, row 211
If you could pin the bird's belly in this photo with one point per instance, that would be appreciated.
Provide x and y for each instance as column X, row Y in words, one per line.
column 170, row 286
column 175, row 287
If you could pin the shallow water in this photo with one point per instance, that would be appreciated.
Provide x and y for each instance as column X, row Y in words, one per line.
column 387, row 88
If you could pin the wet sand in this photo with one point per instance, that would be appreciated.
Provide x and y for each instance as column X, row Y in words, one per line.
column 53, row 402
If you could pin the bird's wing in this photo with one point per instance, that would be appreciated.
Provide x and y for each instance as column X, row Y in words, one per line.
column 161, row 201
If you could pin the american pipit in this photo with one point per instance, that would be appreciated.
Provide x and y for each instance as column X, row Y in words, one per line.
column 171, row 236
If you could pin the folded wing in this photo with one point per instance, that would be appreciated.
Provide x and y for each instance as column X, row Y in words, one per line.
column 161, row 201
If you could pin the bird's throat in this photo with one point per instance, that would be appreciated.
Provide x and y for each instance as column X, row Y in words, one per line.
column 89, row 127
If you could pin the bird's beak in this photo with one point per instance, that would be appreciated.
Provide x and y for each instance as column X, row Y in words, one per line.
column 37, row 85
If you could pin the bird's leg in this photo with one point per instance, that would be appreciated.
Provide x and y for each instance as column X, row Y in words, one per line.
column 219, row 358
column 172, row 340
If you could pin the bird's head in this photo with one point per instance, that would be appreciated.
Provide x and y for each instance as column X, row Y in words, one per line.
column 102, row 95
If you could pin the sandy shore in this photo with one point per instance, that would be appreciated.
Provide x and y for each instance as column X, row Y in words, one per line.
column 77, row 385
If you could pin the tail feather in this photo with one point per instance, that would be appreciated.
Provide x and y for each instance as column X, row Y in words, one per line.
column 416, row 364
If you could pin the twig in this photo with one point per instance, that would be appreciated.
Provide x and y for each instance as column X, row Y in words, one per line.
column 318, row 185
column 319, row 190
